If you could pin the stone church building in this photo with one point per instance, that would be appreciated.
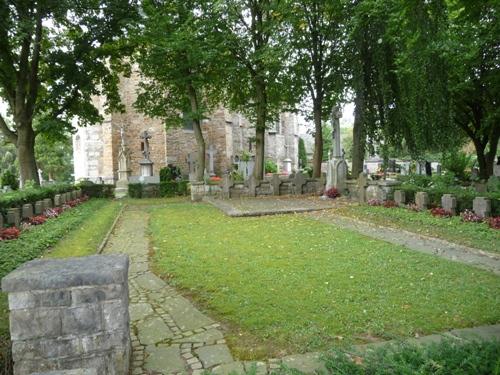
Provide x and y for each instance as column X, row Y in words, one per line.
column 228, row 136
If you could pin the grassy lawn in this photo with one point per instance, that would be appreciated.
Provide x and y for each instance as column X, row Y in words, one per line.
column 476, row 235
column 77, row 232
column 287, row 284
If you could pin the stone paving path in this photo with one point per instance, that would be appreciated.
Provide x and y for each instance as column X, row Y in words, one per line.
column 170, row 336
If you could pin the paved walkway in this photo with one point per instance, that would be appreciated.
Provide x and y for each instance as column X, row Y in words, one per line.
column 170, row 336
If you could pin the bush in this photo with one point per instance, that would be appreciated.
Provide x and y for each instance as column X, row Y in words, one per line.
column 440, row 212
column 471, row 217
column 11, row 233
column 9, row 179
column 97, row 190
column 173, row 188
column 494, row 222
column 170, row 173
column 270, row 166
column 447, row 357
column 332, row 193
column 457, row 163
column 135, row 190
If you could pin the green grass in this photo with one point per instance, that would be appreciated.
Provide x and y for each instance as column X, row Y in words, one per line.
column 89, row 235
column 291, row 284
column 76, row 232
column 476, row 235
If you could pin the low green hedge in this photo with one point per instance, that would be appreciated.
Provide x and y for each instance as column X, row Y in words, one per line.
column 97, row 190
column 31, row 195
column 163, row 189
column 464, row 196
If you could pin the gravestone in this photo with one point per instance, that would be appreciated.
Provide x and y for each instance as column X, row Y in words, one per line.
column 481, row 206
column 275, row 184
column 1, row 220
column 227, row 184
column 252, row 186
column 197, row 191
column 449, row 203
column 67, row 195
column 422, row 200
column 337, row 167
column 14, row 216
column 38, row 207
column 27, row 211
column 192, row 167
column 57, row 200
column 70, row 313
column 47, row 203
column 362, row 185
column 63, row 198
column 400, row 197
column 373, row 191
column 298, row 183
column 211, row 160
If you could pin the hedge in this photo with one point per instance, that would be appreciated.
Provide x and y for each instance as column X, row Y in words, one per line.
column 97, row 190
column 163, row 189
column 31, row 195
column 464, row 196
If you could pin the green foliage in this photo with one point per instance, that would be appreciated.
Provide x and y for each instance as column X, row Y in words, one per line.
column 304, row 271
column 270, row 166
column 170, row 173
column 9, row 179
column 456, row 163
column 163, row 189
column 135, row 190
column 302, row 154
column 30, row 195
column 446, row 357
column 327, row 140
column 237, row 176
column 97, row 190
column 54, row 157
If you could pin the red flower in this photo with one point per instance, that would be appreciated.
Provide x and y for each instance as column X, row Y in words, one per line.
column 332, row 193
column 37, row 220
column 494, row 222
column 441, row 212
column 11, row 233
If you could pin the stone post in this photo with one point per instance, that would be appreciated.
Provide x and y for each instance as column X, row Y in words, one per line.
column 70, row 314
column 400, row 197
column 252, row 186
column 275, row 183
column 1, row 220
column 14, row 216
column 38, row 207
column 298, row 183
column 57, row 200
column 362, row 185
column 449, row 203
column 27, row 210
column 422, row 200
column 481, row 206
column 197, row 191
column 47, row 203
column 63, row 198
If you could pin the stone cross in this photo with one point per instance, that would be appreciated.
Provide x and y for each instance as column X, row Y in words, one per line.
column 146, row 136
column 211, row 159
column 336, row 115
column 191, row 160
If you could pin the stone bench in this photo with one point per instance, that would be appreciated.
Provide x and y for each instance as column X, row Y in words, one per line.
column 70, row 314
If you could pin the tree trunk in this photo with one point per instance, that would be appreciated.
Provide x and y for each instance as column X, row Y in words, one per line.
column 198, row 135
column 318, row 141
column 486, row 161
column 260, row 130
column 26, row 155
column 358, row 137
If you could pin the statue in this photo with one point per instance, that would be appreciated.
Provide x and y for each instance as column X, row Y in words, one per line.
column 121, row 189
column 146, row 136
column 146, row 163
column 336, row 175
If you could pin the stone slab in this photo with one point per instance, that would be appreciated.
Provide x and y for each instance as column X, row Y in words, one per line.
column 185, row 314
column 207, row 336
column 150, row 281
column 214, row 355
column 164, row 359
column 478, row 333
column 42, row 274
column 153, row 331
column 139, row 311
column 308, row 363
column 257, row 368
column 229, row 368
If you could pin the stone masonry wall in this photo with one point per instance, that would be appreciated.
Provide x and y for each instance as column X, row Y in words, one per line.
column 70, row 314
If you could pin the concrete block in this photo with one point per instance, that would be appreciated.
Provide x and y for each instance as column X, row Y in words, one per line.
column 14, row 216
column 81, row 320
column 400, row 197
column 46, row 298
column 449, row 203
column 47, row 203
column 57, row 200
column 27, row 211
column 38, row 207
column 95, row 294
column 481, row 206
column 35, row 323
column 422, row 200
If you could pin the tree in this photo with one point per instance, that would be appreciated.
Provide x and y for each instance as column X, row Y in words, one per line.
column 182, row 64
column 318, row 36
column 255, row 52
column 54, row 56
column 54, row 157
column 474, row 78
column 302, row 154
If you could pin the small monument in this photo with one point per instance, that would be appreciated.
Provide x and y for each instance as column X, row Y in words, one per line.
column 146, row 163
column 211, row 160
column 121, row 189
column 336, row 174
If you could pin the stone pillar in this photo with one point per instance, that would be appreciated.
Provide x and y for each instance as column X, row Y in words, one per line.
column 400, row 197
column 276, row 183
column 449, row 203
column 197, row 191
column 27, row 210
column 422, row 200
column 14, row 216
column 481, row 206
column 362, row 185
column 70, row 314
column 38, row 207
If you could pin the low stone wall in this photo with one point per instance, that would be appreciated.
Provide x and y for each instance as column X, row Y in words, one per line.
column 364, row 189
column 70, row 314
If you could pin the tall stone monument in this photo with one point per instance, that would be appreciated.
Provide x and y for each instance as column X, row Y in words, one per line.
column 336, row 174
column 146, row 163
column 121, row 189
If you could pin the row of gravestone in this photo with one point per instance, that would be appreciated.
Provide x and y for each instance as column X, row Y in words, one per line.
column 28, row 210
column 480, row 205
column 296, row 184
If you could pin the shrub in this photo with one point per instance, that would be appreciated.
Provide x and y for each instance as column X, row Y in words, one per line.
column 494, row 222
column 168, row 189
column 471, row 217
column 390, row 204
column 375, row 202
column 413, row 207
column 457, row 163
column 332, row 193
column 11, row 233
column 170, row 173
column 270, row 167
column 97, row 190
column 135, row 190
column 237, row 176
column 440, row 212
column 37, row 220
column 9, row 179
